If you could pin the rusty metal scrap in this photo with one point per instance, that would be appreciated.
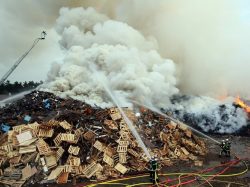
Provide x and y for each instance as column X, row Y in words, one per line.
column 63, row 178
column 89, row 135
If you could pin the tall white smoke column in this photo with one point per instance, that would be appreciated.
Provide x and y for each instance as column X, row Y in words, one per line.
column 131, row 63
column 133, row 67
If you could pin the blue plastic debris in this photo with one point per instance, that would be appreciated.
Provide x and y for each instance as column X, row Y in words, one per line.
column 46, row 103
column 27, row 118
column 5, row 127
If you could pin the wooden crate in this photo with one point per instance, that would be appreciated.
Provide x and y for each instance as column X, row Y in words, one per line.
column 122, row 158
column 64, row 124
column 133, row 153
column 67, row 137
column 123, row 142
column 55, row 173
column 46, row 133
column 91, row 169
column 74, row 150
column 73, row 161
column 57, row 140
column 122, row 149
column 108, row 160
column 99, row 146
column 43, row 147
column 111, row 124
column 122, row 169
column 59, row 153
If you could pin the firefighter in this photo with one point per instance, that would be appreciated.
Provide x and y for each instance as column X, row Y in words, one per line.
column 225, row 148
column 153, row 170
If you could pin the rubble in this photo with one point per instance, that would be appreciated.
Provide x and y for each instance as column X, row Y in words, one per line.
column 66, row 140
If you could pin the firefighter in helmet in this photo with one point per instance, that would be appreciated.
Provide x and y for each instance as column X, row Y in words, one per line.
column 225, row 148
column 153, row 170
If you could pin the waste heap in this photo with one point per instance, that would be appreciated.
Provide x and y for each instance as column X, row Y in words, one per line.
column 70, row 140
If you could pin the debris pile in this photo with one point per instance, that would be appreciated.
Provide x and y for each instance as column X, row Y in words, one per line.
column 69, row 141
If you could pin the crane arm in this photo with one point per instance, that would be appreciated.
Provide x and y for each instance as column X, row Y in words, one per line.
column 7, row 74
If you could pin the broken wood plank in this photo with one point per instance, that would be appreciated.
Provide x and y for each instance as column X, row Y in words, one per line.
column 122, row 169
column 73, row 150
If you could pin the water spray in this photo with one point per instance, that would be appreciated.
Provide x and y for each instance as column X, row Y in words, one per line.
column 175, row 120
column 14, row 97
column 101, row 78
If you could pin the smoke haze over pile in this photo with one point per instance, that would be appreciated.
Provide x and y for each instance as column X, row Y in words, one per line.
column 208, row 40
column 148, row 50
column 130, row 62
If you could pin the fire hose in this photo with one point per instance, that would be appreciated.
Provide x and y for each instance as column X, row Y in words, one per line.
column 199, row 174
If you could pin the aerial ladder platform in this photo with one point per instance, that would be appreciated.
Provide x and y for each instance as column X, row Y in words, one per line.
column 8, row 73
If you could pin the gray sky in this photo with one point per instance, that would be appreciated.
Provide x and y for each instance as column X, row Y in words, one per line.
column 21, row 22
column 208, row 40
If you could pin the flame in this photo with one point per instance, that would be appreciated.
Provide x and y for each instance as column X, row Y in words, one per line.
column 242, row 104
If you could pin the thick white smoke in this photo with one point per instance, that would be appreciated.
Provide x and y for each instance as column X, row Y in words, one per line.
column 131, row 63
column 209, row 114
column 133, row 67
column 208, row 39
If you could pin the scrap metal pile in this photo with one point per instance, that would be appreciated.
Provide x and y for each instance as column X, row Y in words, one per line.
column 48, row 139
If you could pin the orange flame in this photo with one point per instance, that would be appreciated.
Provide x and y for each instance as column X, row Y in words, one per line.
column 242, row 104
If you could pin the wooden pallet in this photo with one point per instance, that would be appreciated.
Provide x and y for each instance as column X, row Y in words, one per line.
column 73, row 150
column 108, row 160
column 122, row 169
column 64, row 124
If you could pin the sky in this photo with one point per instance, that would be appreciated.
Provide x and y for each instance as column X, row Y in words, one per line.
column 208, row 40
column 21, row 23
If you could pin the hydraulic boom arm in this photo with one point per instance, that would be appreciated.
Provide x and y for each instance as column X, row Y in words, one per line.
column 43, row 34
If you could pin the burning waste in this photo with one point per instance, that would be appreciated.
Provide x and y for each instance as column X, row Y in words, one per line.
column 70, row 140
column 82, row 123
column 132, row 69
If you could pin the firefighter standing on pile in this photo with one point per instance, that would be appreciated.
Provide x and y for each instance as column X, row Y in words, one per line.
column 153, row 170
column 225, row 148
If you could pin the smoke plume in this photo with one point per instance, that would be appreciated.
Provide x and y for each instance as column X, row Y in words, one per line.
column 207, row 39
column 134, row 70
column 131, row 63
column 133, row 59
